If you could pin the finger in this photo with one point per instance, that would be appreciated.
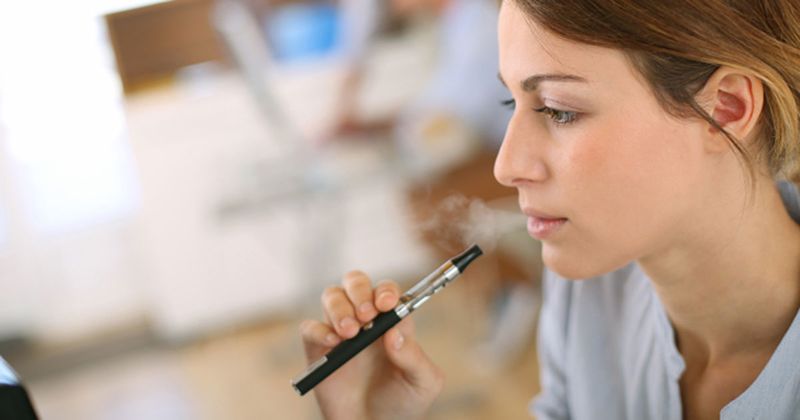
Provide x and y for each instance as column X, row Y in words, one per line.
column 406, row 327
column 406, row 354
column 318, row 334
column 339, row 310
column 358, row 288
column 387, row 294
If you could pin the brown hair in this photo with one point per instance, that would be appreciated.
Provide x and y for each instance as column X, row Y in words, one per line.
column 677, row 45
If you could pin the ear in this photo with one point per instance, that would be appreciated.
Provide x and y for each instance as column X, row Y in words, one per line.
column 735, row 100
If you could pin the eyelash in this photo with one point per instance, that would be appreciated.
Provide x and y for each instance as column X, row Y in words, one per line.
column 559, row 117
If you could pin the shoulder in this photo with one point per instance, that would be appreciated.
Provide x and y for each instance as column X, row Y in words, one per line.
column 791, row 198
column 774, row 393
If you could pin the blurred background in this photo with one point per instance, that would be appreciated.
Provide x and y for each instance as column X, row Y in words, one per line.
column 180, row 180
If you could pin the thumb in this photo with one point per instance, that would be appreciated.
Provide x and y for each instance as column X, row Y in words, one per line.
column 407, row 355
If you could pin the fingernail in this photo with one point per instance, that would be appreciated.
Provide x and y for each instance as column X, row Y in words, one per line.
column 398, row 342
column 347, row 323
column 384, row 295
column 365, row 307
column 331, row 339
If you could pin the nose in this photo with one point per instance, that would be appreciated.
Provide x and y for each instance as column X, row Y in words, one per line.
column 521, row 156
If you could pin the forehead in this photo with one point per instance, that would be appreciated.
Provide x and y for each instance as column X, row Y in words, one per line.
column 526, row 48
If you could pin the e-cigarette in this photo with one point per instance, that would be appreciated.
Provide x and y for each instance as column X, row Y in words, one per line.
column 409, row 302
column 15, row 403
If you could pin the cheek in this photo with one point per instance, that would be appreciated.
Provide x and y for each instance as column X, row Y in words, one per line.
column 607, row 165
column 622, row 180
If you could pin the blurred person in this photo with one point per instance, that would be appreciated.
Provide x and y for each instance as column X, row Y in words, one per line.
column 467, row 59
column 652, row 148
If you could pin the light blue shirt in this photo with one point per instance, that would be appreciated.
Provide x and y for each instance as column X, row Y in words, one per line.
column 607, row 351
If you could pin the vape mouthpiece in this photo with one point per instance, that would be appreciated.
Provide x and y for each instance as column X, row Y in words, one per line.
column 465, row 258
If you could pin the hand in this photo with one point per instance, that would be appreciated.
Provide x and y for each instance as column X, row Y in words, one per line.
column 393, row 378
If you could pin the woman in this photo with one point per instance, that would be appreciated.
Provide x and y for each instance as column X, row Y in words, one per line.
column 648, row 147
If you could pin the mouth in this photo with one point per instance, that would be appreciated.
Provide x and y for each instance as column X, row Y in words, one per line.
column 541, row 225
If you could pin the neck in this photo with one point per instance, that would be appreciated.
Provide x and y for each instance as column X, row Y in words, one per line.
column 736, row 287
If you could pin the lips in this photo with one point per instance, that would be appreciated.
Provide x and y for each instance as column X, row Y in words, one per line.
column 542, row 225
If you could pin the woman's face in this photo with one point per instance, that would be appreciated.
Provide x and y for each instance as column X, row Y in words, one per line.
column 604, row 174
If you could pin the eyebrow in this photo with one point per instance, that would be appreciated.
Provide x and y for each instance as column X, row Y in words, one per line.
column 532, row 83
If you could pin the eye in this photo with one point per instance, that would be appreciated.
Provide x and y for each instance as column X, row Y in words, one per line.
column 559, row 117
column 509, row 103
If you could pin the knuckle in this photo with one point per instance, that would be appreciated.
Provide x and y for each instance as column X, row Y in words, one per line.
column 336, row 304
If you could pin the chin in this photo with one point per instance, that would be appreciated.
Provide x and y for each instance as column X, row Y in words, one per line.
column 579, row 265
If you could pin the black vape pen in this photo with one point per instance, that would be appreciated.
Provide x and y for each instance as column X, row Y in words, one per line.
column 409, row 302
column 15, row 404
